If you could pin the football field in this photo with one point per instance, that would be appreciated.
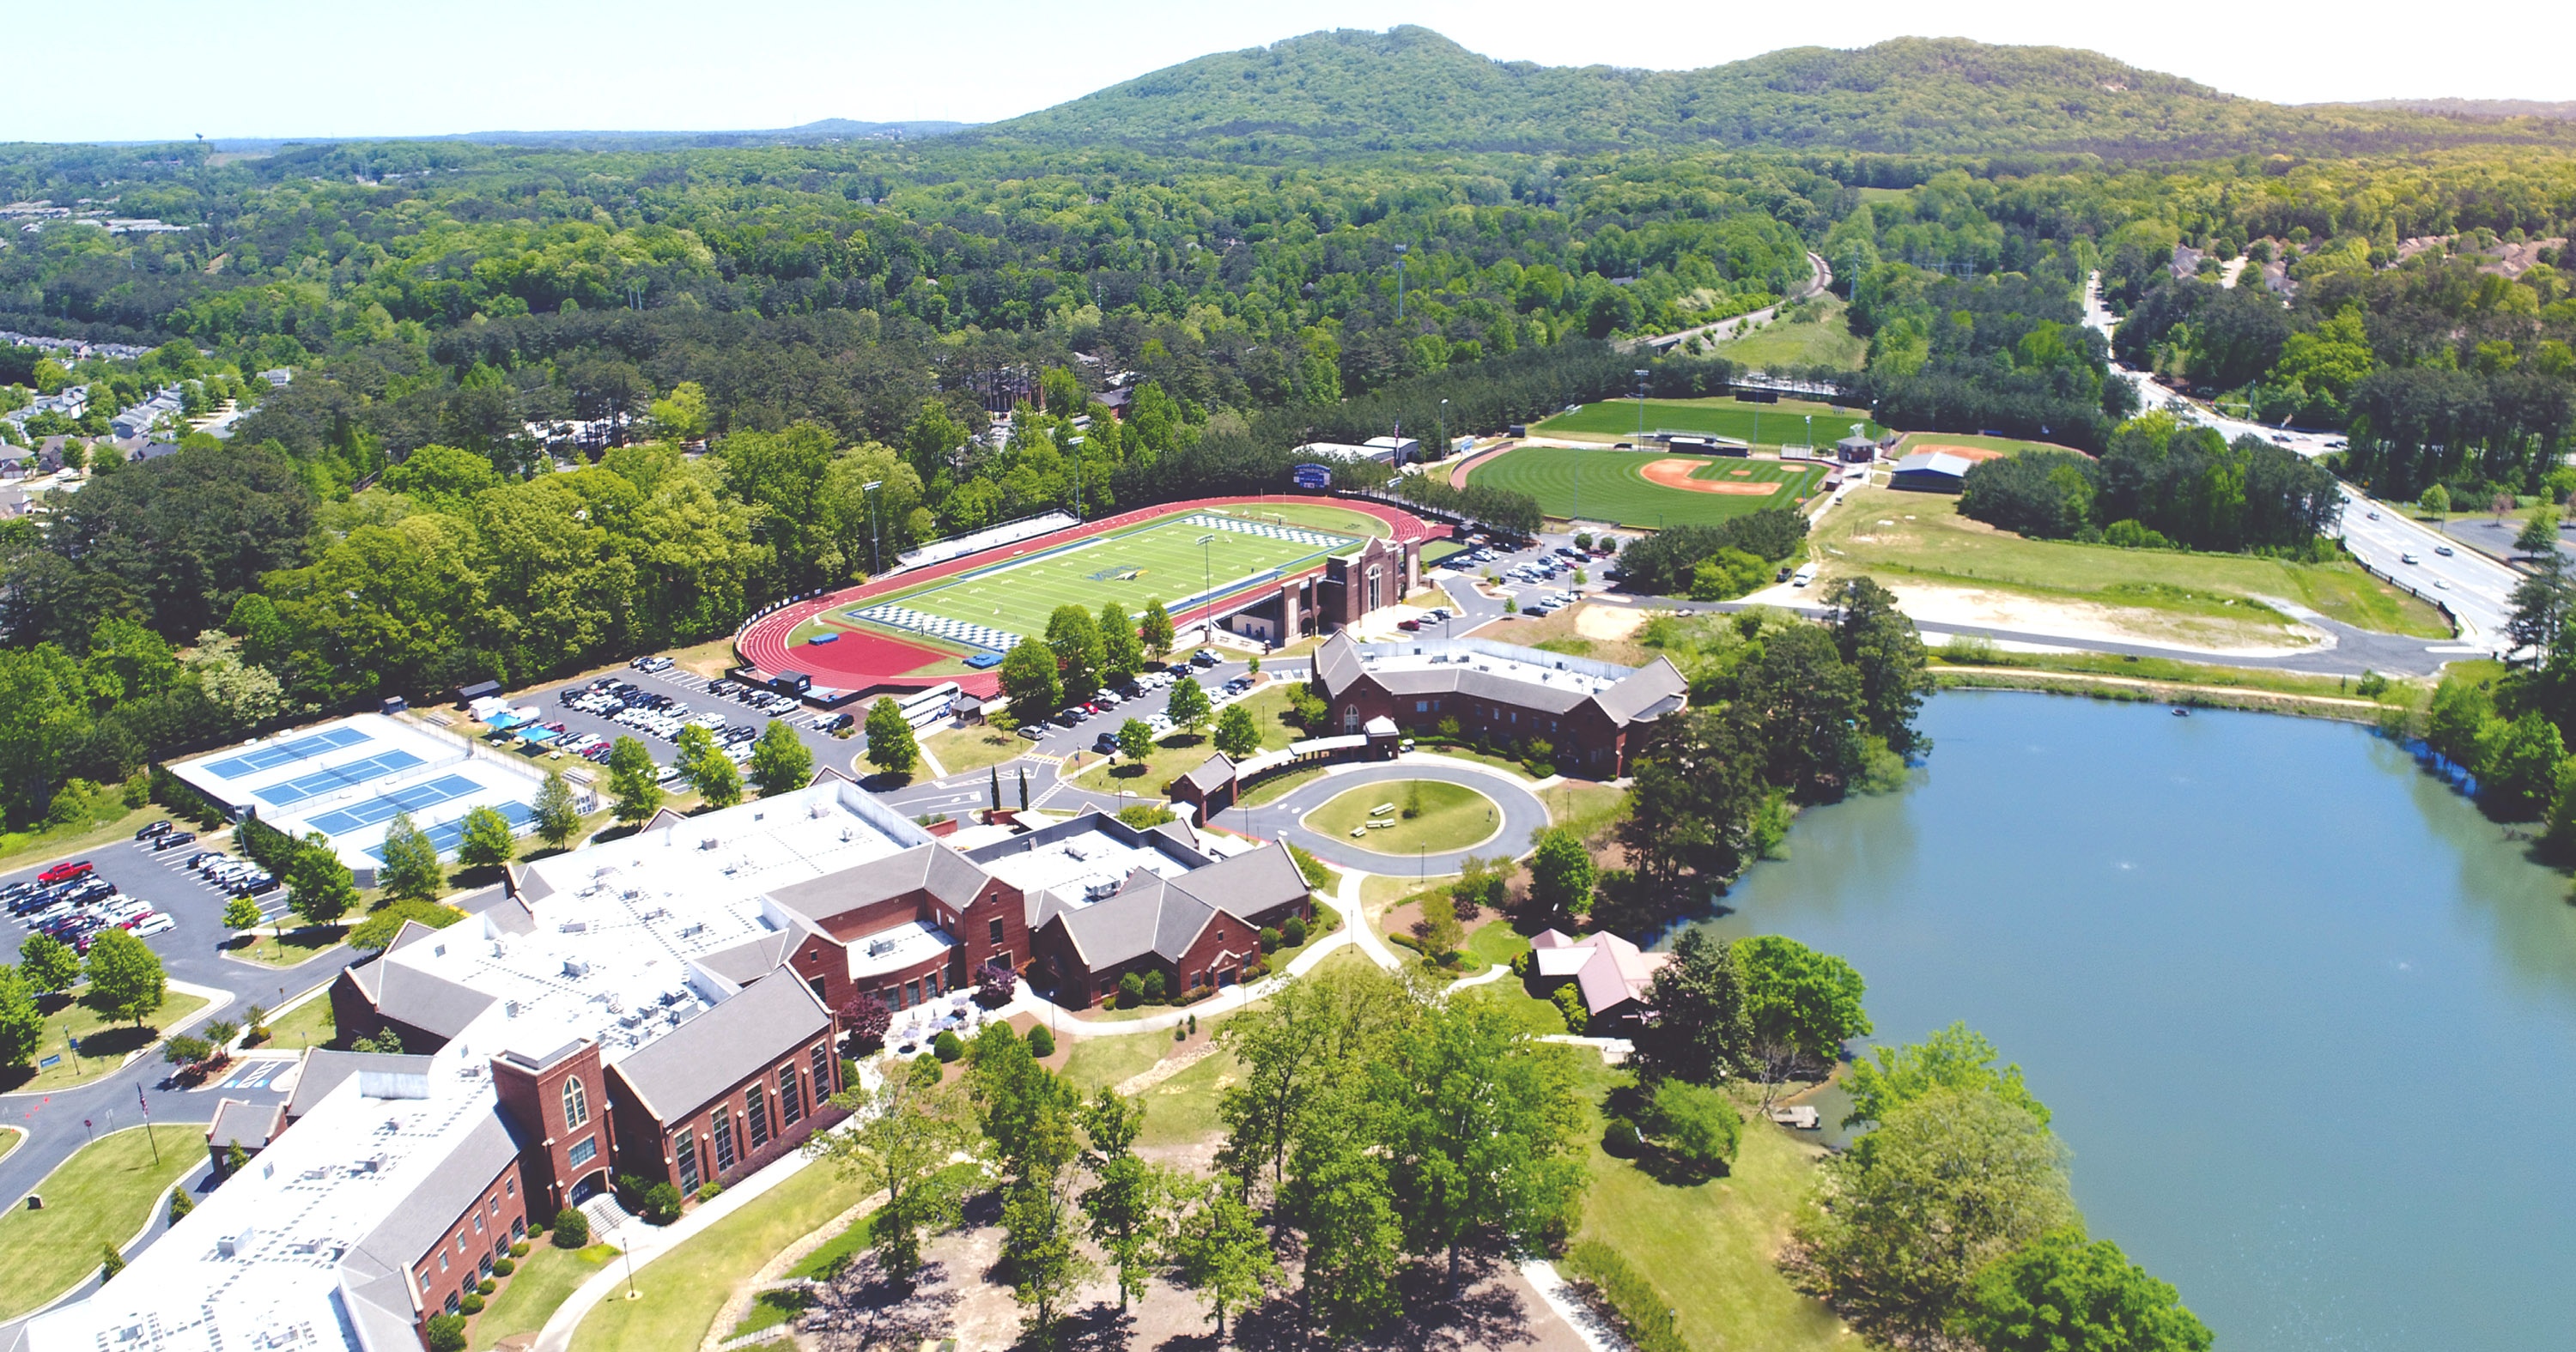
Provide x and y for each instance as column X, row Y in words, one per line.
column 1647, row 488
column 994, row 606
column 1785, row 422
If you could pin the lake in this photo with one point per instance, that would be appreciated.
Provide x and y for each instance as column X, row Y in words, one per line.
column 2306, row 1019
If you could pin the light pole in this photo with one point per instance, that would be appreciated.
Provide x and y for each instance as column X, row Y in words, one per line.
column 1207, row 583
column 1444, row 432
column 1641, row 410
column 1399, row 282
column 876, row 549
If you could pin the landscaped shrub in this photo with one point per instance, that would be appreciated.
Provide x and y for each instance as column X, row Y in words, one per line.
column 1131, row 990
column 571, row 1229
column 1620, row 1139
column 925, row 1071
column 1313, row 868
column 996, row 983
column 472, row 1304
column 519, row 1248
column 1155, row 985
column 1294, row 931
column 503, row 1267
column 1041, row 1041
column 1269, row 939
column 707, row 1191
column 662, row 1203
column 1643, row 1313
column 1180, row 1033
column 946, row 1046
column 446, row 1333
column 487, row 1286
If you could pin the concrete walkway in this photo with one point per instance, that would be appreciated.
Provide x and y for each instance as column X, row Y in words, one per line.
column 644, row 1243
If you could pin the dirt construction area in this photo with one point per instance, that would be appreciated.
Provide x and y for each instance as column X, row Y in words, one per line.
column 1676, row 473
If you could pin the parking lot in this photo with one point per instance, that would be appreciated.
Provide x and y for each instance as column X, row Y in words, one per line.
column 692, row 697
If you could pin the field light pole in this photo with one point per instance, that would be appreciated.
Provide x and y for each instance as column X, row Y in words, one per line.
column 1207, row 583
column 1444, row 432
column 1399, row 282
column 876, row 549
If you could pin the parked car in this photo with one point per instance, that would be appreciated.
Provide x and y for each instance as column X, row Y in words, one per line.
column 1105, row 743
column 63, row 873
column 1032, row 732
column 173, row 840
column 1205, row 657
column 155, row 829
column 1409, row 626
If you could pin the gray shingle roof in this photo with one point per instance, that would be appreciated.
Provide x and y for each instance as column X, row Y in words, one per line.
column 432, row 1004
column 1212, row 774
column 1641, row 691
column 752, row 959
column 936, row 869
column 250, row 1125
column 422, row 1220
column 677, row 1073
column 1165, row 916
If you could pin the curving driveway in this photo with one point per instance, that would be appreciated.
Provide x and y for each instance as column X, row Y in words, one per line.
column 1523, row 815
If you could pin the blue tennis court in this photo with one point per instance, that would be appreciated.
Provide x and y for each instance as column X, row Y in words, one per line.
column 409, row 798
column 301, row 787
column 287, row 753
column 446, row 835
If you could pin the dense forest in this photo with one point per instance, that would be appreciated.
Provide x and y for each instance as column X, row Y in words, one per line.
column 557, row 402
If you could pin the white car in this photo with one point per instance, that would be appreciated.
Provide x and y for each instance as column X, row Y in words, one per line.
column 2406, row 558
column 153, row 922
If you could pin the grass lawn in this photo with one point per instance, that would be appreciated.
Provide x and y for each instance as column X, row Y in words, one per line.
column 1915, row 441
column 101, row 1195
column 1929, row 541
column 78, row 837
column 10, row 1139
column 1967, row 656
column 300, row 945
column 1819, row 335
column 307, row 1025
column 1612, row 485
column 1182, row 1109
column 1181, row 752
column 1386, row 889
column 1097, row 1062
column 1709, row 1247
column 1493, row 944
column 104, row 1044
column 530, row 1296
column 973, row 747
column 1757, row 424
column 685, row 1288
column 1536, row 1017
column 1157, row 561
column 1452, row 816
column 1278, row 786
column 1587, row 808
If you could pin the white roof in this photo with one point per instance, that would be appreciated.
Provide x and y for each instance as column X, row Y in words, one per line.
column 346, row 778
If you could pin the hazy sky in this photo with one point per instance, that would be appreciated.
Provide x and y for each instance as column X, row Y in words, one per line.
column 354, row 68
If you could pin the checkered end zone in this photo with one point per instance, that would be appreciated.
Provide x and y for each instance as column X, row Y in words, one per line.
column 940, row 626
column 1293, row 534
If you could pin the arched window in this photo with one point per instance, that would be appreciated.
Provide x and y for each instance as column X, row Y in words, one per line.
column 1350, row 718
column 576, row 1104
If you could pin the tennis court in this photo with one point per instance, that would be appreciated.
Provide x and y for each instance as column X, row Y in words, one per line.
column 1648, row 488
column 381, row 809
column 323, row 781
column 996, row 606
column 448, row 835
column 286, row 753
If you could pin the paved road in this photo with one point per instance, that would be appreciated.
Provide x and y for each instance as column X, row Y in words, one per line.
column 55, row 1121
column 1819, row 276
column 1522, row 815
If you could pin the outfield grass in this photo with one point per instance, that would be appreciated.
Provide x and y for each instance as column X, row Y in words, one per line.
column 1164, row 557
column 104, row 1044
column 103, row 1194
column 685, row 1288
column 1820, row 336
column 1710, row 1247
column 1453, row 817
column 1915, row 441
column 1927, row 539
column 1758, row 424
column 1613, row 485
column 530, row 1296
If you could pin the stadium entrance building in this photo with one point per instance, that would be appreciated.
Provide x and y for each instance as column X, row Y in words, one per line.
column 1378, row 574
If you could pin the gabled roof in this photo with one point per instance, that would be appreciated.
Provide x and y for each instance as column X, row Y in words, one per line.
column 1212, row 774
column 422, row 1221
column 1936, row 462
column 1652, row 690
column 676, row 1074
column 1337, row 663
column 936, row 869
column 249, row 1125
column 1164, row 916
column 1609, row 970
column 405, row 994
column 753, row 958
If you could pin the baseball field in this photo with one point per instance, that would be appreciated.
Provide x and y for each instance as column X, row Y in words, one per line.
column 1647, row 488
column 1785, row 422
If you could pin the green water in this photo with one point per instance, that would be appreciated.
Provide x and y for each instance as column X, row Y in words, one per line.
column 2306, row 1019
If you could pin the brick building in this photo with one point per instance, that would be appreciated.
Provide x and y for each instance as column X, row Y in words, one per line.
column 1498, row 692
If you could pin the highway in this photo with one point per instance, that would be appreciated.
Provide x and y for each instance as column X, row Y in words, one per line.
column 2476, row 589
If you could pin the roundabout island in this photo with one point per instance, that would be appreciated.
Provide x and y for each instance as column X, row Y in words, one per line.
column 1407, row 817
column 1465, row 809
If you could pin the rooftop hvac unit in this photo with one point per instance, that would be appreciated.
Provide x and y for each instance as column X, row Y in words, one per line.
column 576, row 968
column 710, row 843
column 692, row 930
column 509, row 1009
column 236, row 1246
column 657, row 913
column 878, row 948
column 575, row 927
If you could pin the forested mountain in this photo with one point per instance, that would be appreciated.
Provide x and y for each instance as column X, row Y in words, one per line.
column 1412, row 89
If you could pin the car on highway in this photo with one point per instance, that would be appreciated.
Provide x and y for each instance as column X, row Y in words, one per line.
column 2444, row 551
column 2373, row 516
column 2406, row 558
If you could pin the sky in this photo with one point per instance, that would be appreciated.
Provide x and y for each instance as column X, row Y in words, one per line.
column 267, row 68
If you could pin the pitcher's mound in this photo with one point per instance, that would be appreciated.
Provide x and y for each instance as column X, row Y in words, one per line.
column 1677, row 474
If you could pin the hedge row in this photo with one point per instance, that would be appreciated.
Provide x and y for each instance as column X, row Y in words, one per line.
column 1643, row 1313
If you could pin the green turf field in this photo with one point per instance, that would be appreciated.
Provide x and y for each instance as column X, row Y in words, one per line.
column 1759, row 424
column 1614, row 487
column 1158, row 561
column 1915, row 441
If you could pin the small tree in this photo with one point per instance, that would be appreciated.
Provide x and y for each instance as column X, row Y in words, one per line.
column 632, row 783
column 319, row 888
column 487, row 842
column 866, row 1018
column 1561, row 874
column 891, row 747
column 707, row 768
column 1189, row 707
column 2059, row 1292
column 22, row 1024
column 571, row 1229
column 2540, row 533
column 1438, row 929
column 185, row 1050
column 1030, row 681
column 48, row 964
column 242, row 913
column 1156, row 628
column 558, row 814
column 1041, row 1041
column 110, row 1262
column 780, row 760
column 1695, row 1126
column 1238, row 733
column 2436, row 502
column 411, row 871
column 1135, row 740
column 125, row 977
column 1220, row 1252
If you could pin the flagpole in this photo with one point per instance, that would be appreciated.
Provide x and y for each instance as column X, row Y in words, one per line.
column 146, row 1106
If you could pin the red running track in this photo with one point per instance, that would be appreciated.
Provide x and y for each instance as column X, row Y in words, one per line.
column 863, row 660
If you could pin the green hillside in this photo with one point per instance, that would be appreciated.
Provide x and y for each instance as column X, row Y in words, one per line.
column 1412, row 89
